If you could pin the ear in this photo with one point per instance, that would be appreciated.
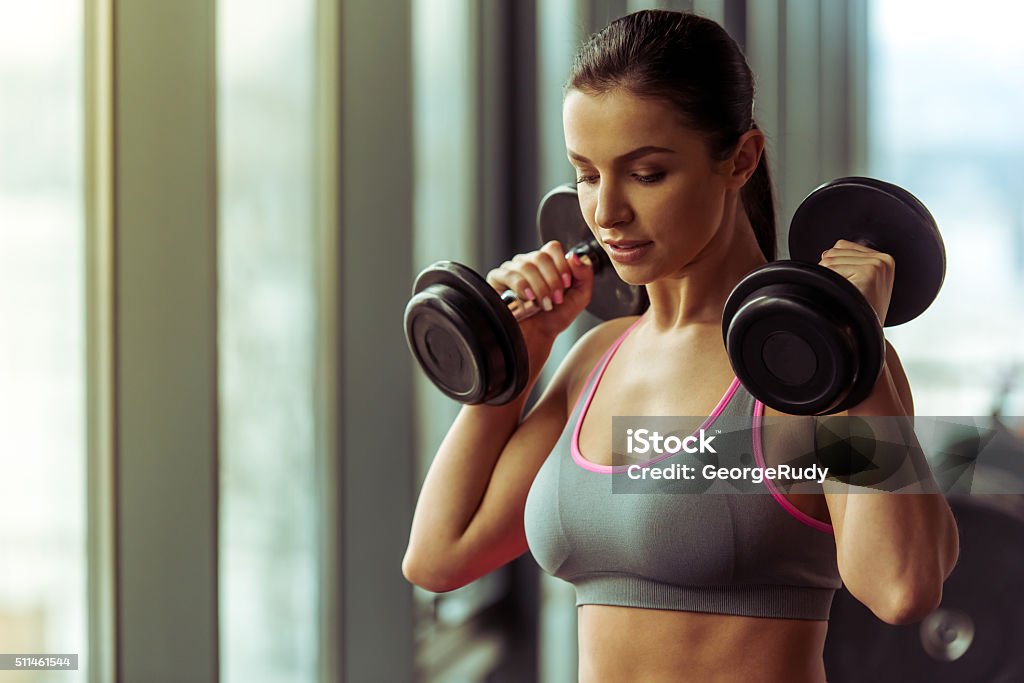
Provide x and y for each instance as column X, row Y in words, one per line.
column 743, row 161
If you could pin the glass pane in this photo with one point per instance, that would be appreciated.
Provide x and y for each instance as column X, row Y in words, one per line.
column 269, row 506
column 42, row 347
column 946, row 103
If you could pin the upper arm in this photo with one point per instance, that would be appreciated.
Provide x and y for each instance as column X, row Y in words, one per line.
column 861, row 554
column 496, row 533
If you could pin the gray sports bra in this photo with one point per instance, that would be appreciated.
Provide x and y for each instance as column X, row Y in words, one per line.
column 739, row 553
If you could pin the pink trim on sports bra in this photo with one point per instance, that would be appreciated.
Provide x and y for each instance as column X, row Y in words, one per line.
column 779, row 498
column 578, row 458
column 577, row 455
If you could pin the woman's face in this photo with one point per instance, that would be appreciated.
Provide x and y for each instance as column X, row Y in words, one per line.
column 642, row 177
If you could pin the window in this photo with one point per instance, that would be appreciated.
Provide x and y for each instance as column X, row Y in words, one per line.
column 269, row 590
column 43, row 571
column 946, row 104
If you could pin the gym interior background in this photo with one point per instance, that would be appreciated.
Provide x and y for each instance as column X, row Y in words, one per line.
column 211, row 430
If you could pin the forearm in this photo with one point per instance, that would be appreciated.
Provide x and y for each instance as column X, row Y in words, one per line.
column 904, row 543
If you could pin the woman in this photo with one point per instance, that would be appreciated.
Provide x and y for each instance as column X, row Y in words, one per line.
column 672, row 179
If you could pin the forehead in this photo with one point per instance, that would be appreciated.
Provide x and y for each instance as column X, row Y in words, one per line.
column 605, row 125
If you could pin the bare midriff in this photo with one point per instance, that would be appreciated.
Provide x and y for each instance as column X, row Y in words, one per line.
column 632, row 644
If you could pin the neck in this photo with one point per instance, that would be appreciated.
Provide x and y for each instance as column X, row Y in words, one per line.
column 697, row 294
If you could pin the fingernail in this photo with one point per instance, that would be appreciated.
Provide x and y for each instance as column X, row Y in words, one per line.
column 546, row 303
column 823, row 253
column 530, row 296
column 557, row 296
column 567, row 280
column 585, row 260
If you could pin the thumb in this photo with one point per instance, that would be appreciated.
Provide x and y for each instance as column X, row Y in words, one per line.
column 582, row 269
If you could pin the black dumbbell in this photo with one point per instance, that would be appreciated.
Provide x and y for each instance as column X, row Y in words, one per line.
column 467, row 338
column 800, row 337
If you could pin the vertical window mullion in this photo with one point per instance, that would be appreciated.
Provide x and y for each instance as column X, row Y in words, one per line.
column 99, row 335
column 326, row 389
column 376, row 446
column 165, row 364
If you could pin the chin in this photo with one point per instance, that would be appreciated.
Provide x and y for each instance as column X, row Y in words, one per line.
column 632, row 275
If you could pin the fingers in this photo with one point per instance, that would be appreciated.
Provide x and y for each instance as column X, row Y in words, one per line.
column 549, row 265
column 852, row 253
column 876, row 260
column 559, row 263
column 582, row 269
column 852, row 248
column 871, row 272
column 540, row 276
column 507, row 276
column 856, row 266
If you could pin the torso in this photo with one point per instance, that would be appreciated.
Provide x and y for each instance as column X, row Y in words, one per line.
column 689, row 378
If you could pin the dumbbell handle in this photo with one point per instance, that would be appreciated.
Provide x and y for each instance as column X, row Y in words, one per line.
column 521, row 310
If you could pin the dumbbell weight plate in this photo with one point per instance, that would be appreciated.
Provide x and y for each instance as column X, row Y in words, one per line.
column 559, row 218
column 802, row 339
column 464, row 336
column 887, row 217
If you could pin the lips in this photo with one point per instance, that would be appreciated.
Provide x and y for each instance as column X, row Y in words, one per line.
column 625, row 244
column 628, row 251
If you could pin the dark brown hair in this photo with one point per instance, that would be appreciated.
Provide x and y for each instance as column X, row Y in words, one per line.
column 692, row 63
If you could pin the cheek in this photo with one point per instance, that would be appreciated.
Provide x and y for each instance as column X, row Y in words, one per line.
column 706, row 210
column 588, row 206
column 686, row 216
column 681, row 207
column 702, row 204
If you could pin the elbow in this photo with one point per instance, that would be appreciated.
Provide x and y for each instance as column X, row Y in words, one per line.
column 915, row 597
column 910, row 604
column 896, row 600
column 426, row 575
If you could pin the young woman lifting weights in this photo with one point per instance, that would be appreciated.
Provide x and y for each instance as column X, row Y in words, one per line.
column 673, row 182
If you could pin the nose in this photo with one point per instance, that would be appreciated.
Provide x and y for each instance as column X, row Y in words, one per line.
column 612, row 206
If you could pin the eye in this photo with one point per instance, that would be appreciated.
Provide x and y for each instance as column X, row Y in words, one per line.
column 648, row 179
column 588, row 179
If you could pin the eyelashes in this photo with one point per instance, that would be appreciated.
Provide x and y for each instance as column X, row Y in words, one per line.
column 642, row 179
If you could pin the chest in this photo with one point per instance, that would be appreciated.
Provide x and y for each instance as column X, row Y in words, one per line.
column 689, row 382
column 691, row 379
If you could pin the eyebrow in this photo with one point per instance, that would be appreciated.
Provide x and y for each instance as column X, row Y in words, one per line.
column 628, row 156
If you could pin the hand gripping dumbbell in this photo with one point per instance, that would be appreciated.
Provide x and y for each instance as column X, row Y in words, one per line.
column 800, row 337
column 467, row 338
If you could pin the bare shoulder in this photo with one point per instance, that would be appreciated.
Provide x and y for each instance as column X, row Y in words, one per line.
column 587, row 351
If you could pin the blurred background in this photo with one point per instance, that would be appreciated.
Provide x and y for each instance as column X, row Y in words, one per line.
column 212, row 433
